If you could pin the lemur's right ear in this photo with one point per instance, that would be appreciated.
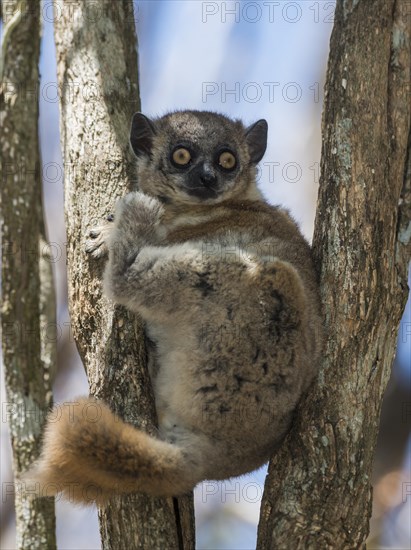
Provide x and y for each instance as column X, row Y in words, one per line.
column 256, row 137
column 141, row 134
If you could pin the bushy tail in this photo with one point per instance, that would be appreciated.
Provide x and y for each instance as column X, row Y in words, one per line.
column 90, row 454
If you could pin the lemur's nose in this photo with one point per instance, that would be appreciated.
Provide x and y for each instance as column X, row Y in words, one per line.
column 207, row 175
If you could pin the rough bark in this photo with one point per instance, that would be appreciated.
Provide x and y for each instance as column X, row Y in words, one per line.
column 97, row 74
column 318, row 493
column 28, row 312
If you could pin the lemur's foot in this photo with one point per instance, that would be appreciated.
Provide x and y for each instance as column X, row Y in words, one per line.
column 138, row 209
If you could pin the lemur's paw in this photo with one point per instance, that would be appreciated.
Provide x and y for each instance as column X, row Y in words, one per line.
column 97, row 241
column 139, row 209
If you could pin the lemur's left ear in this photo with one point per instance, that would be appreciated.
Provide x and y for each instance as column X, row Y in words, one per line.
column 141, row 134
column 256, row 138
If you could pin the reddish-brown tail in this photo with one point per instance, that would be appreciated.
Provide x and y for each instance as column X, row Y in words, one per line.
column 90, row 454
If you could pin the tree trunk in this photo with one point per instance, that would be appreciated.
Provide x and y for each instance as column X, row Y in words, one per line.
column 97, row 73
column 318, row 492
column 28, row 305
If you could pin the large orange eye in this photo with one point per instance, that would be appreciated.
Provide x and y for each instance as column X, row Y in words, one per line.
column 227, row 160
column 181, row 156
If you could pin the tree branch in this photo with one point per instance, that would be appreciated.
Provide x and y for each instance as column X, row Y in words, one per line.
column 318, row 492
column 27, row 284
column 97, row 72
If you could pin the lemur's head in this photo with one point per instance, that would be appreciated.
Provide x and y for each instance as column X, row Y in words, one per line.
column 197, row 157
